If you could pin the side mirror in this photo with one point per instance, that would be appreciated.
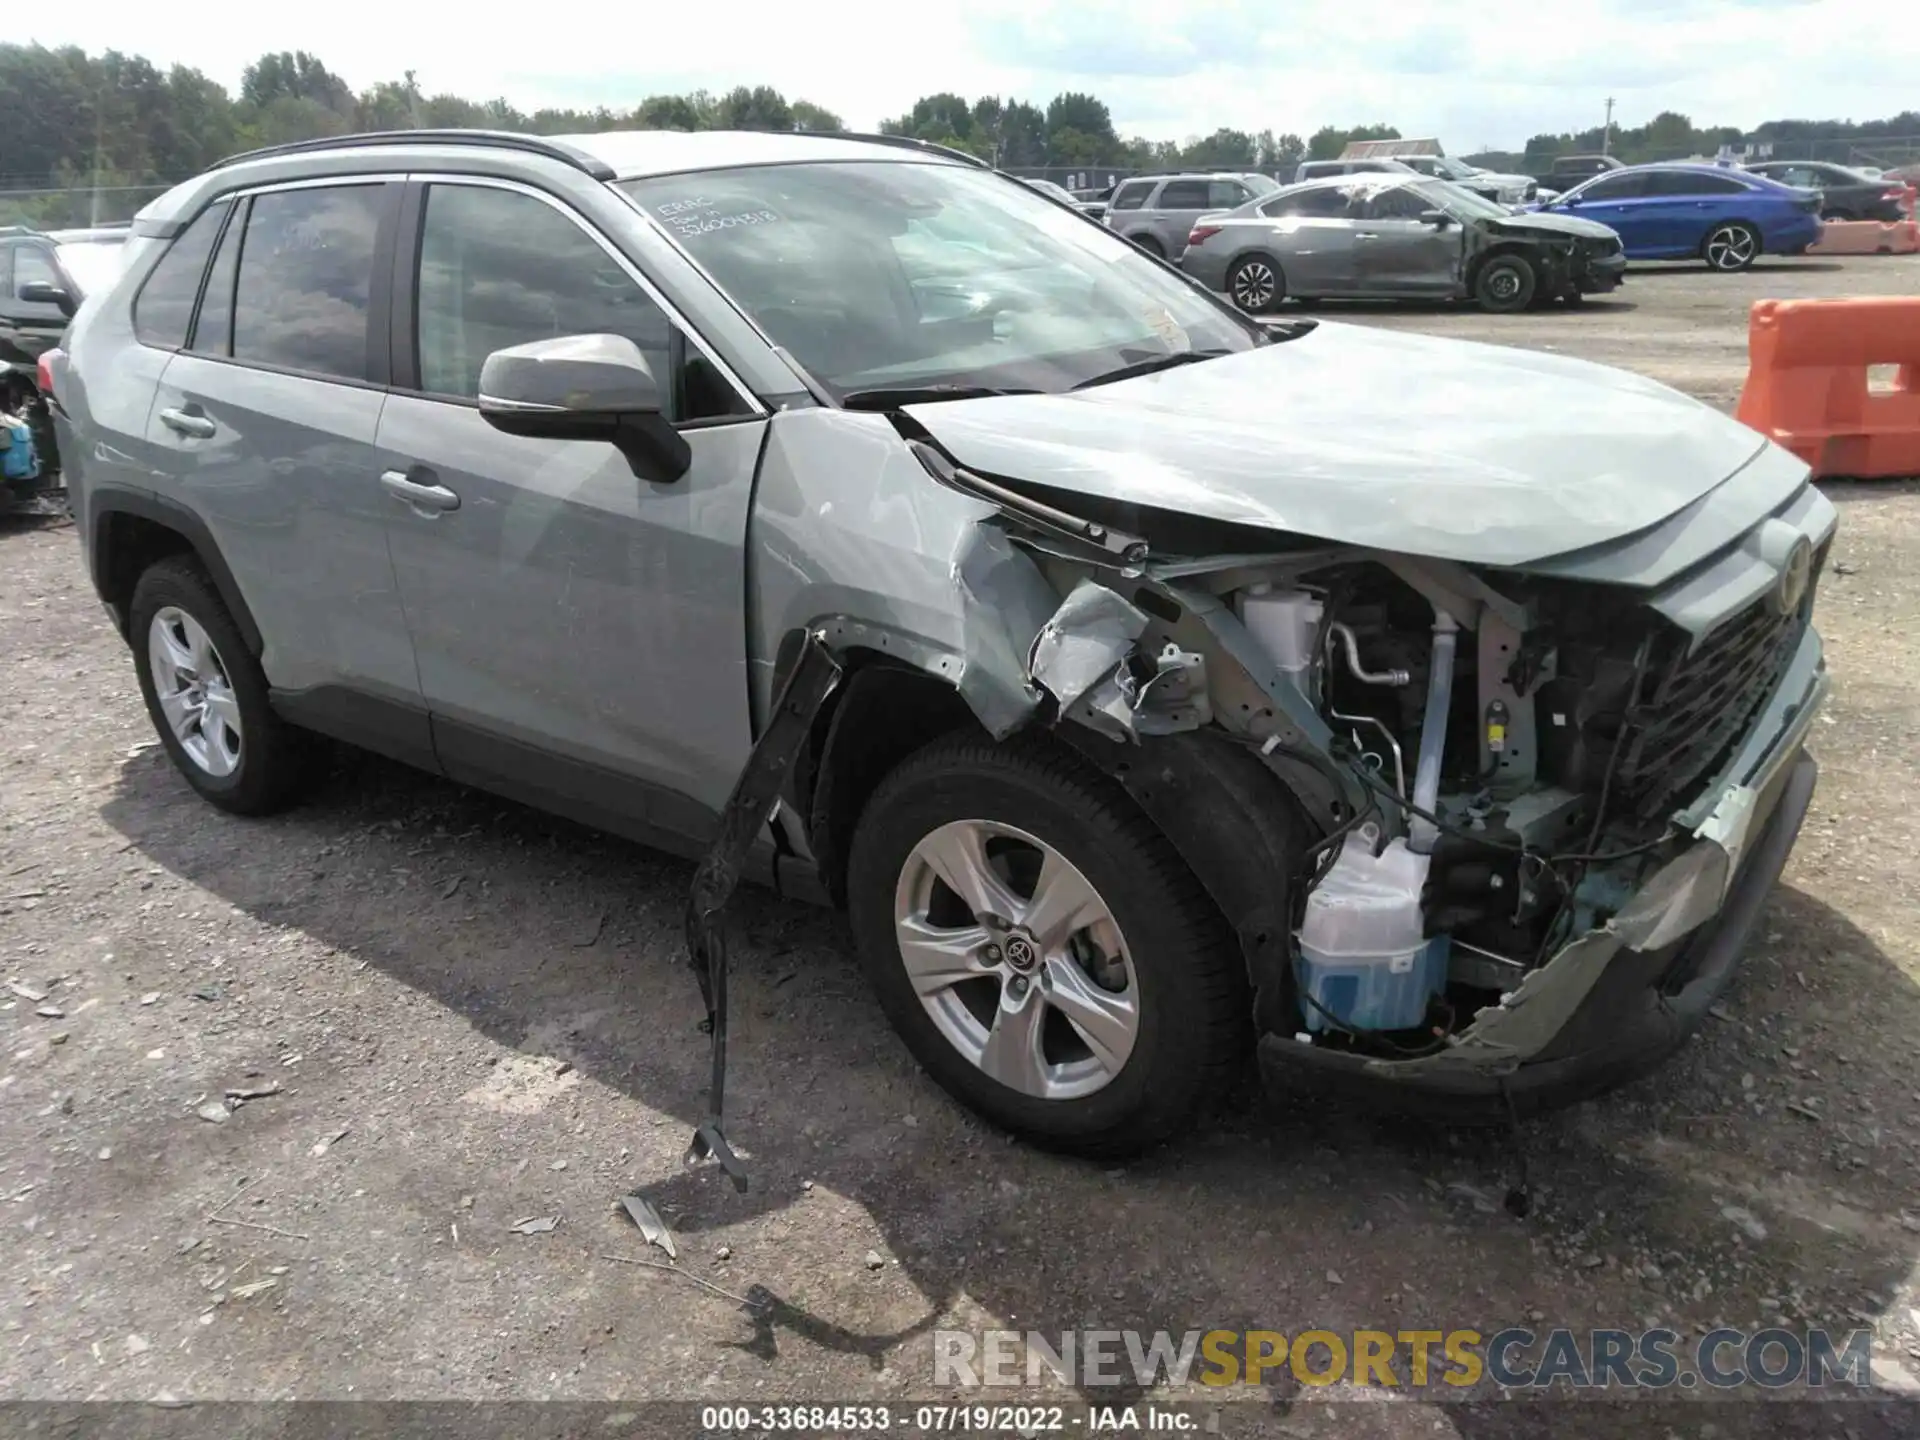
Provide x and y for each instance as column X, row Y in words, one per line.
column 584, row 387
column 1439, row 219
column 45, row 292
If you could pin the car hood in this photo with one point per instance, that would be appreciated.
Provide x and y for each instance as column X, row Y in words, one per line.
column 1558, row 224
column 1406, row 443
column 1501, row 177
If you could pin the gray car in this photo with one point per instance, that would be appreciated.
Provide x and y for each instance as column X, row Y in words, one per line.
column 1146, row 682
column 1382, row 237
column 1157, row 211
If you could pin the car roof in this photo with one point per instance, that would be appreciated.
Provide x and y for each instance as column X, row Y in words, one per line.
column 1366, row 179
column 605, row 156
column 1684, row 167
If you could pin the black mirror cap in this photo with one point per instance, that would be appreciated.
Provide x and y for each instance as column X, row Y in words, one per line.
column 45, row 292
column 584, row 387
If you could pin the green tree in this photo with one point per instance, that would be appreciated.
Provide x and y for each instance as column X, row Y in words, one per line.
column 1080, row 130
column 760, row 107
column 1223, row 150
column 817, row 118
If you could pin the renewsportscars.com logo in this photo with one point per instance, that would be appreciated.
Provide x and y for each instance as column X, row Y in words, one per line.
column 1514, row 1358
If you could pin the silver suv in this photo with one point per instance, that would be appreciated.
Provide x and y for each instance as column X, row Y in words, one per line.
column 1157, row 212
column 1144, row 680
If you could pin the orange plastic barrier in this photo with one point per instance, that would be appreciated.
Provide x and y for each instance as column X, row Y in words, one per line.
column 1867, row 237
column 1807, row 383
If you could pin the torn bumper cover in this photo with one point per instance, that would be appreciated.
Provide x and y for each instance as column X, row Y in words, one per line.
column 1615, row 1001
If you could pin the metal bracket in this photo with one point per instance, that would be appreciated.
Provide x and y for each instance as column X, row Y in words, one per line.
column 755, row 794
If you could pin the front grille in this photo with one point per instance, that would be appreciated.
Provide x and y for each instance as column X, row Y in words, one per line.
column 1697, row 707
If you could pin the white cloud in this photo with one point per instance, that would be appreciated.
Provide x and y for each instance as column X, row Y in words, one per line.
column 1473, row 72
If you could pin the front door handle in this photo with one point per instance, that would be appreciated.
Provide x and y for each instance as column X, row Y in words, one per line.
column 424, row 495
column 188, row 422
column 1366, row 235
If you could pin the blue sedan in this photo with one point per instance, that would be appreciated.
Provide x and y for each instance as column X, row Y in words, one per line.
column 1729, row 218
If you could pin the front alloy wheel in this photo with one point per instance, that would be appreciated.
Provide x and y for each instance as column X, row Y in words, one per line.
column 1732, row 247
column 1044, row 952
column 1017, row 960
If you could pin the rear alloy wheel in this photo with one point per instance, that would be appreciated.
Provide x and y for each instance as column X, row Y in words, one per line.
column 207, row 694
column 1042, row 949
column 1730, row 247
column 1256, row 285
column 1505, row 284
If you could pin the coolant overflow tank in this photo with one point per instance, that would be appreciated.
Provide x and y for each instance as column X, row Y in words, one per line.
column 1364, row 963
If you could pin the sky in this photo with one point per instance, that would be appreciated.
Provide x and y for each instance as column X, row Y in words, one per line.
column 1475, row 73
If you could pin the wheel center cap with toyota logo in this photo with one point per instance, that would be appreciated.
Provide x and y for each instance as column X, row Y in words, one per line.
column 1021, row 953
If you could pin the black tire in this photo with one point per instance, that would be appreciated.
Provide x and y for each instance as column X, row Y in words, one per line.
column 276, row 761
column 1505, row 284
column 1840, row 216
column 1257, row 284
column 1190, row 987
column 1731, row 247
column 1152, row 246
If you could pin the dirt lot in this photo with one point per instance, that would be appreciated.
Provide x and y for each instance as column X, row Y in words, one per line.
column 476, row 1015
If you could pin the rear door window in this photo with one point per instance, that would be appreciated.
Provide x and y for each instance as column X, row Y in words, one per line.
column 1615, row 187
column 164, row 307
column 305, row 280
column 1184, row 195
column 1671, row 183
column 1323, row 202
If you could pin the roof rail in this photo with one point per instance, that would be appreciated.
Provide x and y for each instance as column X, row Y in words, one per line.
column 908, row 142
column 480, row 139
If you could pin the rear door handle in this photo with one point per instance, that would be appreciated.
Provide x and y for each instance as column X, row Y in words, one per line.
column 1365, row 235
column 188, row 422
column 420, row 490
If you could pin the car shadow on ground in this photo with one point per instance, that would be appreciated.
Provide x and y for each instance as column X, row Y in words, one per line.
column 1778, row 265
column 1232, row 1228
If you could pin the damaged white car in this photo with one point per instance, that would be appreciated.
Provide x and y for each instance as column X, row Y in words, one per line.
column 1149, row 684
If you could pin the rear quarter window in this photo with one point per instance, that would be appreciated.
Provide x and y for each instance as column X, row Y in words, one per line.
column 163, row 309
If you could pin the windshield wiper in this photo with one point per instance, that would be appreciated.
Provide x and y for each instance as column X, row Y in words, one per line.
column 1151, row 364
column 893, row 398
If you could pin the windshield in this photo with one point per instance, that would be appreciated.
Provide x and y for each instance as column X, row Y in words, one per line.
column 1459, row 203
column 1261, row 184
column 1453, row 169
column 92, row 264
column 878, row 274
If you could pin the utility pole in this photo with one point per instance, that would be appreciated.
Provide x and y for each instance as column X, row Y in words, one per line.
column 93, row 207
column 1606, row 130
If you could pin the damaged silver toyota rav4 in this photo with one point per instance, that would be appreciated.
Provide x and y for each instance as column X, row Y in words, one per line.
column 1149, row 684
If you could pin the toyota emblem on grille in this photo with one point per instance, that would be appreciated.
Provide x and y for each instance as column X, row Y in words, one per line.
column 1794, row 577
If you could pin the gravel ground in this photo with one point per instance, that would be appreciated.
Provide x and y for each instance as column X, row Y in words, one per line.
column 471, row 1015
